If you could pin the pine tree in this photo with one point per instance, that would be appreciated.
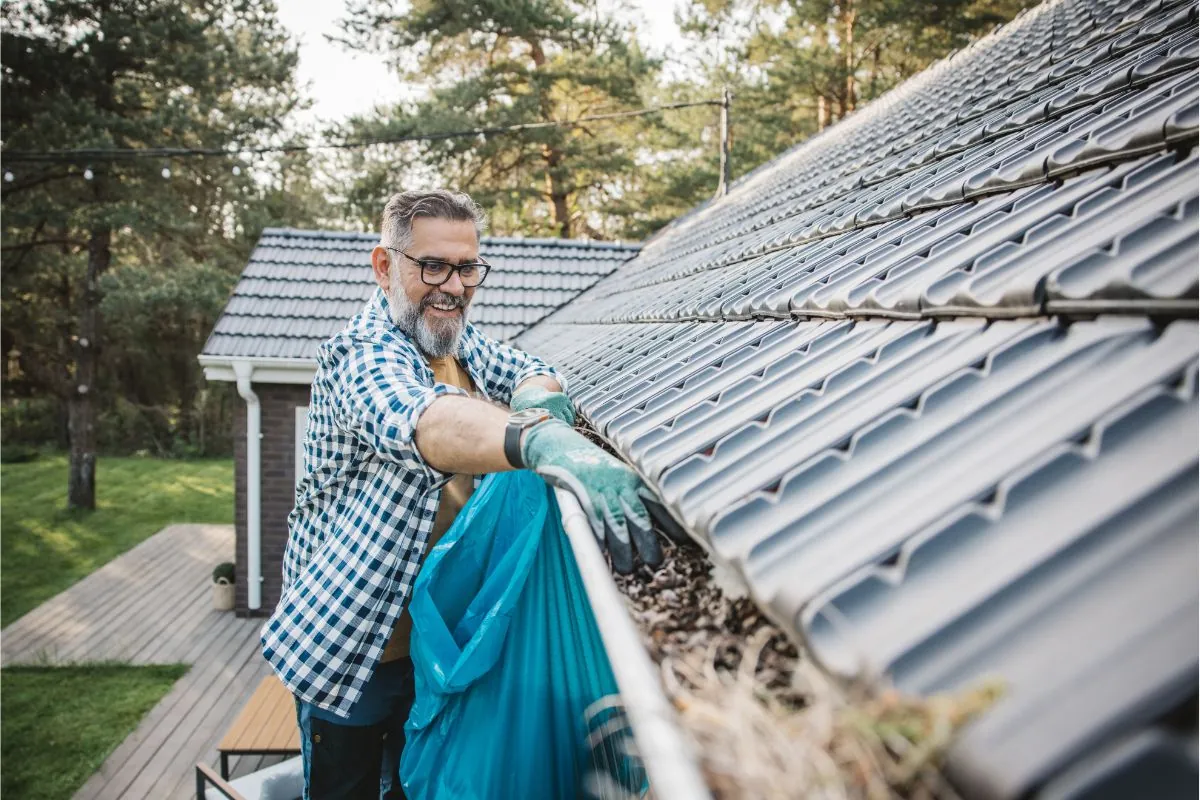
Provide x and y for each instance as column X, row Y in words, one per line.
column 123, row 74
column 503, row 62
column 843, row 53
column 795, row 67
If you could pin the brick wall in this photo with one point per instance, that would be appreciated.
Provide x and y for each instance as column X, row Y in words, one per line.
column 279, row 402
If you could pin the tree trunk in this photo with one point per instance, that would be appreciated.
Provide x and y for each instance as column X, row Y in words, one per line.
column 202, row 413
column 188, row 390
column 81, row 411
column 876, row 54
column 849, row 16
column 555, row 192
column 562, row 216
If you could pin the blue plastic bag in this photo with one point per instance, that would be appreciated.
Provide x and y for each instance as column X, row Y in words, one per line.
column 507, row 659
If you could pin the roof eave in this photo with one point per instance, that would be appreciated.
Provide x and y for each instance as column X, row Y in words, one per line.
column 263, row 369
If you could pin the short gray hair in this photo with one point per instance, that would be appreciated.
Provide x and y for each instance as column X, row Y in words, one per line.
column 403, row 207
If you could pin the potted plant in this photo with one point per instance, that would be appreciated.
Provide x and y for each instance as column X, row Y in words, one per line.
column 223, row 578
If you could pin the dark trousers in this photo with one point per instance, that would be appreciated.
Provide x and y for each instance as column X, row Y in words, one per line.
column 359, row 758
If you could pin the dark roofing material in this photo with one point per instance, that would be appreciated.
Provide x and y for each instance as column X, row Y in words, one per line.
column 300, row 287
column 848, row 379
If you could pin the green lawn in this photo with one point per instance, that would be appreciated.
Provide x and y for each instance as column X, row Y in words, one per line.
column 44, row 548
column 60, row 723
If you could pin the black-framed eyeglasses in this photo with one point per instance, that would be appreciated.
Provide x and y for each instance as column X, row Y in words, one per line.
column 435, row 271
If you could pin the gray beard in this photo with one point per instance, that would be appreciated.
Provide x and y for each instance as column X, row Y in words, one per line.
column 435, row 341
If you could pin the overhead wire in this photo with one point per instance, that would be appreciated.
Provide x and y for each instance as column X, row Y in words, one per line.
column 90, row 155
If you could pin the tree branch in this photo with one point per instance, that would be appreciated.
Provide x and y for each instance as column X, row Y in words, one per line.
column 30, row 245
column 13, row 188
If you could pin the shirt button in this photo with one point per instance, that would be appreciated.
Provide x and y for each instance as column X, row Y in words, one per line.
column 317, row 738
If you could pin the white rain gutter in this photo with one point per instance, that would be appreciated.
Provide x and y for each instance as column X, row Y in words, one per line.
column 244, row 370
column 666, row 755
column 266, row 370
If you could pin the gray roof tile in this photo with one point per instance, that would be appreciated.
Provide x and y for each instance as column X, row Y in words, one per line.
column 300, row 287
column 849, row 380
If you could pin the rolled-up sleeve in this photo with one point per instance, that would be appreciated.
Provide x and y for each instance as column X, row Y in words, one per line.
column 383, row 394
column 504, row 368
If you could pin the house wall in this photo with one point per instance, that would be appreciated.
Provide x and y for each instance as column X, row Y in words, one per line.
column 279, row 403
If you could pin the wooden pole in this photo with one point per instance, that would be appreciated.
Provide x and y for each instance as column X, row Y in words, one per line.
column 723, row 185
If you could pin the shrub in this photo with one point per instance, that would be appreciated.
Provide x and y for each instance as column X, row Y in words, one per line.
column 17, row 453
column 224, row 573
column 33, row 422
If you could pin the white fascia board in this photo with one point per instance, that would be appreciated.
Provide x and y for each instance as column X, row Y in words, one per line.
column 265, row 370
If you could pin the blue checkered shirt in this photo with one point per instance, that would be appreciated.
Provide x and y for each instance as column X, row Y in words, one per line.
column 366, row 504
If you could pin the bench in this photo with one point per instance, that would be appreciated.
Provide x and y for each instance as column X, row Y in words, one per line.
column 265, row 727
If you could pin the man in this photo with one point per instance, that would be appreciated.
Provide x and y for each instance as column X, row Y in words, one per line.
column 396, row 433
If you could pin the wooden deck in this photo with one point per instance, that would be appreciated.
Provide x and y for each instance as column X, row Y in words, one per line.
column 153, row 605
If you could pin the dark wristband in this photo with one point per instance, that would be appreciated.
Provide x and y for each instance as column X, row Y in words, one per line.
column 512, row 445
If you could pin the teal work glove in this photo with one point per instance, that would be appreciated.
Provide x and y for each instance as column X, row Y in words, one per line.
column 608, row 490
column 557, row 403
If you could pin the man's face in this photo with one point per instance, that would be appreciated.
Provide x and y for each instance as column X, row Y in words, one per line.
column 434, row 316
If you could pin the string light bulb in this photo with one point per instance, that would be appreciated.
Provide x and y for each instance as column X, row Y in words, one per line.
column 88, row 174
column 9, row 177
column 166, row 172
column 237, row 170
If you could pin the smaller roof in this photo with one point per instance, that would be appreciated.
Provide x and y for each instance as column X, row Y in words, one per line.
column 300, row 287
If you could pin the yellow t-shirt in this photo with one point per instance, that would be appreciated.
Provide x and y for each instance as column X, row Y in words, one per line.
column 454, row 496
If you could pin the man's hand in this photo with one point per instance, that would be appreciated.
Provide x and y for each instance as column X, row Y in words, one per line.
column 557, row 403
column 607, row 489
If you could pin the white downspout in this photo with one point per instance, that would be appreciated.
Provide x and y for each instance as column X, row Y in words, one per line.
column 243, row 371
column 666, row 755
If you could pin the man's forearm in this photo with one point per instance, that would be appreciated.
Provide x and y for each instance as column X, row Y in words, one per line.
column 466, row 436
column 463, row 435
